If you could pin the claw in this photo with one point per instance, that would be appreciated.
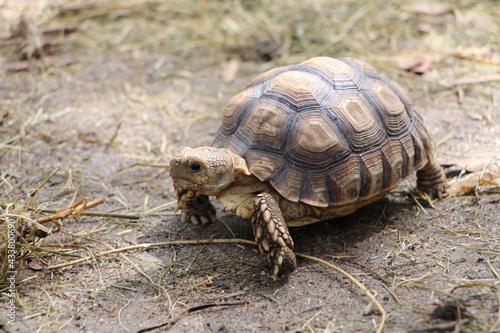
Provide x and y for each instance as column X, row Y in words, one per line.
column 196, row 207
column 194, row 220
column 276, row 271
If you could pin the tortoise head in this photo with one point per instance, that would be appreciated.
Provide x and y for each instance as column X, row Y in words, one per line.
column 207, row 170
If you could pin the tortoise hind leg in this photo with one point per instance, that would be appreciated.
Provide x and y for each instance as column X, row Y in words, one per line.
column 431, row 179
column 271, row 233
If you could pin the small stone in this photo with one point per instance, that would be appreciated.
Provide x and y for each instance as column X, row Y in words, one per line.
column 370, row 310
column 215, row 327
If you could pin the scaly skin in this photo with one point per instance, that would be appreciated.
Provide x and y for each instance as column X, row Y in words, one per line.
column 432, row 180
column 271, row 233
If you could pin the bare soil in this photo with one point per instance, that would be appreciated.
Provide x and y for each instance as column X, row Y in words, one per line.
column 106, row 92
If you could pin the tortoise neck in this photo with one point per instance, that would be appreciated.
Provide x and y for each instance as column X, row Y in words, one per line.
column 241, row 174
column 239, row 164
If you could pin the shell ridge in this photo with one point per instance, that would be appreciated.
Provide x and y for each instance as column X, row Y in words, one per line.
column 405, row 170
column 378, row 111
column 365, row 178
column 277, row 96
column 392, row 86
column 266, row 76
column 386, row 173
column 313, row 71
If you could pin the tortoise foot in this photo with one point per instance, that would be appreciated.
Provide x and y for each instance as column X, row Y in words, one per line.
column 284, row 262
column 196, row 207
column 431, row 180
column 272, row 235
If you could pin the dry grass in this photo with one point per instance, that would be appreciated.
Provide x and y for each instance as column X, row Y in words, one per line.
column 24, row 228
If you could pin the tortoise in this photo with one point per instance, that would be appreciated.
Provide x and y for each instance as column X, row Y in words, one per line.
column 306, row 143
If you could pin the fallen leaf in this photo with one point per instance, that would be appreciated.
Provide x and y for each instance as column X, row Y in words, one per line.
column 484, row 54
column 429, row 8
column 262, row 49
column 470, row 183
column 423, row 27
column 475, row 115
column 418, row 65
column 481, row 173
column 48, row 61
column 470, row 164
column 35, row 264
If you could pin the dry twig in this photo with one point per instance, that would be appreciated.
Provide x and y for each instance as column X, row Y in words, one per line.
column 187, row 313
column 75, row 210
column 357, row 283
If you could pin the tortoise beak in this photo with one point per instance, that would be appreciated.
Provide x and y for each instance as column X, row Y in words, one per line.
column 182, row 183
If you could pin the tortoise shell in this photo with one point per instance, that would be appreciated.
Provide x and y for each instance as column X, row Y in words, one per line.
column 325, row 131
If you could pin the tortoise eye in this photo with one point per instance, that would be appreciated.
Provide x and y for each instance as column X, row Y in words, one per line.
column 195, row 167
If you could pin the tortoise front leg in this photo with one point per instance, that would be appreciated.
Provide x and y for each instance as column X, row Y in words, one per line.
column 271, row 233
column 196, row 207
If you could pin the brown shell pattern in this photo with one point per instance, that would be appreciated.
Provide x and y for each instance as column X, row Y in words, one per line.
column 325, row 131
